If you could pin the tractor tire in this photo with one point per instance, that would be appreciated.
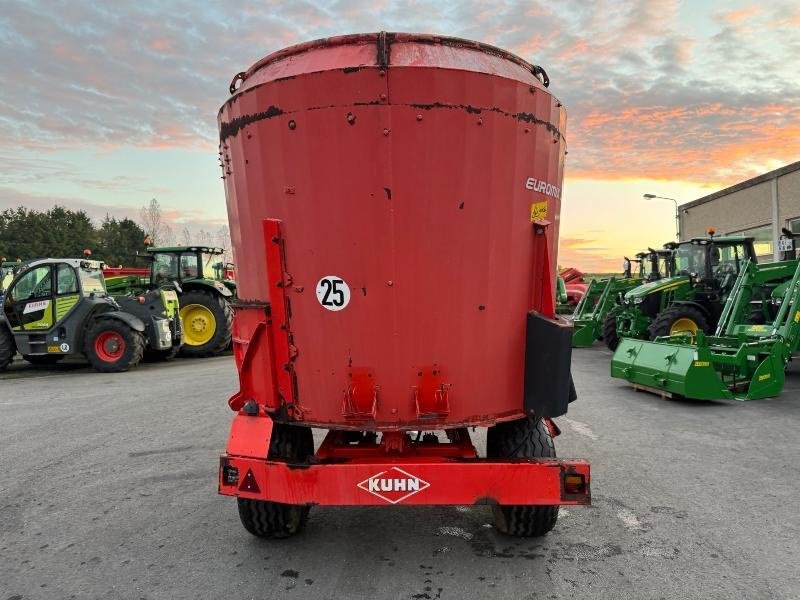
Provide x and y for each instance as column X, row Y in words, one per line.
column 610, row 336
column 7, row 347
column 43, row 359
column 207, row 323
column 112, row 346
column 678, row 318
column 756, row 317
column 160, row 355
column 525, row 438
column 274, row 519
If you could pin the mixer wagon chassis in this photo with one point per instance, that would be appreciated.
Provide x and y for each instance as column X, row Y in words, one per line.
column 396, row 470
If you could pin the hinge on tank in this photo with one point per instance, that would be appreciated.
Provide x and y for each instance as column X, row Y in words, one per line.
column 383, row 43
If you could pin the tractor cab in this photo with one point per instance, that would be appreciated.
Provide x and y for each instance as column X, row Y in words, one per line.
column 655, row 264
column 632, row 268
column 713, row 264
column 206, row 287
column 7, row 271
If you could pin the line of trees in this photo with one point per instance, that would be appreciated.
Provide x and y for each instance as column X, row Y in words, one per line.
column 63, row 233
column 60, row 232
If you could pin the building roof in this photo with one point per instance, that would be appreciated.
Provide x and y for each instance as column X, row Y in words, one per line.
column 795, row 166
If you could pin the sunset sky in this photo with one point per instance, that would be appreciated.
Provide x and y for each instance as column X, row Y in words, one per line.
column 106, row 105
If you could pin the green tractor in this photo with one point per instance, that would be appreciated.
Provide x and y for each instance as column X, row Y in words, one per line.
column 602, row 294
column 206, row 289
column 54, row 308
column 688, row 301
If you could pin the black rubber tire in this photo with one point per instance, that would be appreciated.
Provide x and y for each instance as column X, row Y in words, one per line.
column 160, row 355
column 525, row 438
column 610, row 336
column 7, row 347
column 43, row 359
column 756, row 317
column 134, row 346
column 223, row 315
column 274, row 519
column 663, row 322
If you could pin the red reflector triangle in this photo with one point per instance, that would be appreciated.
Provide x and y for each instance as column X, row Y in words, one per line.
column 249, row 483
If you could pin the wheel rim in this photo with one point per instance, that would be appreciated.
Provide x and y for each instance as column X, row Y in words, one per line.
column 199, row 324
column 683, row 325
column 109, row 346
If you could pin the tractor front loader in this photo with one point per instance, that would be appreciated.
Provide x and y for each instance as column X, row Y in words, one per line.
column 603, row 295
column 56, row 308
column 742, row 360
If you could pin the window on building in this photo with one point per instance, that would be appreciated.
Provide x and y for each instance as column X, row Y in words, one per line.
column 763, row 243
column 794, row 225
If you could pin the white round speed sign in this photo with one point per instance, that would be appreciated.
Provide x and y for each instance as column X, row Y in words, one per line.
column 333, row 292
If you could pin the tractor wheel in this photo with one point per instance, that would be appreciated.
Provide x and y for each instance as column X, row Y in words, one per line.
column 207, row 323
column 610, row 335
column 525, row 438
column 756, row 317
column 678, row 319
column 112, row 346
column 43, row 359
column 7, row 347
column 274, row 519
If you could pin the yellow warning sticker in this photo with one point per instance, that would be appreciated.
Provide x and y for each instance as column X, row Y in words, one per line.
column 797, row 317
column 538, row 210
column 53, row 349
column 764, row 376
column 702, row 363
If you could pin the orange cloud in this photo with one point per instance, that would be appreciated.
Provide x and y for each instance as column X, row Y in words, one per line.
column 743, row 14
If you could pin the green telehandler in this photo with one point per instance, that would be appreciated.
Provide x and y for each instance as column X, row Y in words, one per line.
column 59, row 307
column 206, row 290
column 602, row 294
column 690, row 300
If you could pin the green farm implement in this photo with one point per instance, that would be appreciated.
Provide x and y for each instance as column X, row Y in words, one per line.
column 743, row 360
column 689, row 301
column 602, row 294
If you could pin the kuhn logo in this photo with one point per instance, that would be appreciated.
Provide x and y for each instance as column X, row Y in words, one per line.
column 394, row 485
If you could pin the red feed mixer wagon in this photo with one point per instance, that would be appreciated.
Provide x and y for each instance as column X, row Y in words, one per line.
column 394, row 203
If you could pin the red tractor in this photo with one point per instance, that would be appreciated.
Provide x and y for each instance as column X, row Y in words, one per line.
column 394, row 202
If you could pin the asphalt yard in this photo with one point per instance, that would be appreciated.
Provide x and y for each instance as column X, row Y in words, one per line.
column 109, row 491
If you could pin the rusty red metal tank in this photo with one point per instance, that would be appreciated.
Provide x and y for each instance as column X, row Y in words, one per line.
column 394, row 205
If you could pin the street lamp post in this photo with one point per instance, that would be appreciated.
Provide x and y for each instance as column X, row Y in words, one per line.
column 677, row 215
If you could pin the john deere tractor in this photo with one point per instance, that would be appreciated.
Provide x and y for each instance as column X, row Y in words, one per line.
column 206, row 289
column 59, row 307
column 689, row 301
column 602, row 295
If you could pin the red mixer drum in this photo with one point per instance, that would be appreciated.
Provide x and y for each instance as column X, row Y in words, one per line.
column 394, row 203
column 394, row 206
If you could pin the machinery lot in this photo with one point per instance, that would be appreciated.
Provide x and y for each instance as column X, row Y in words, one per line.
column 109, row 491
